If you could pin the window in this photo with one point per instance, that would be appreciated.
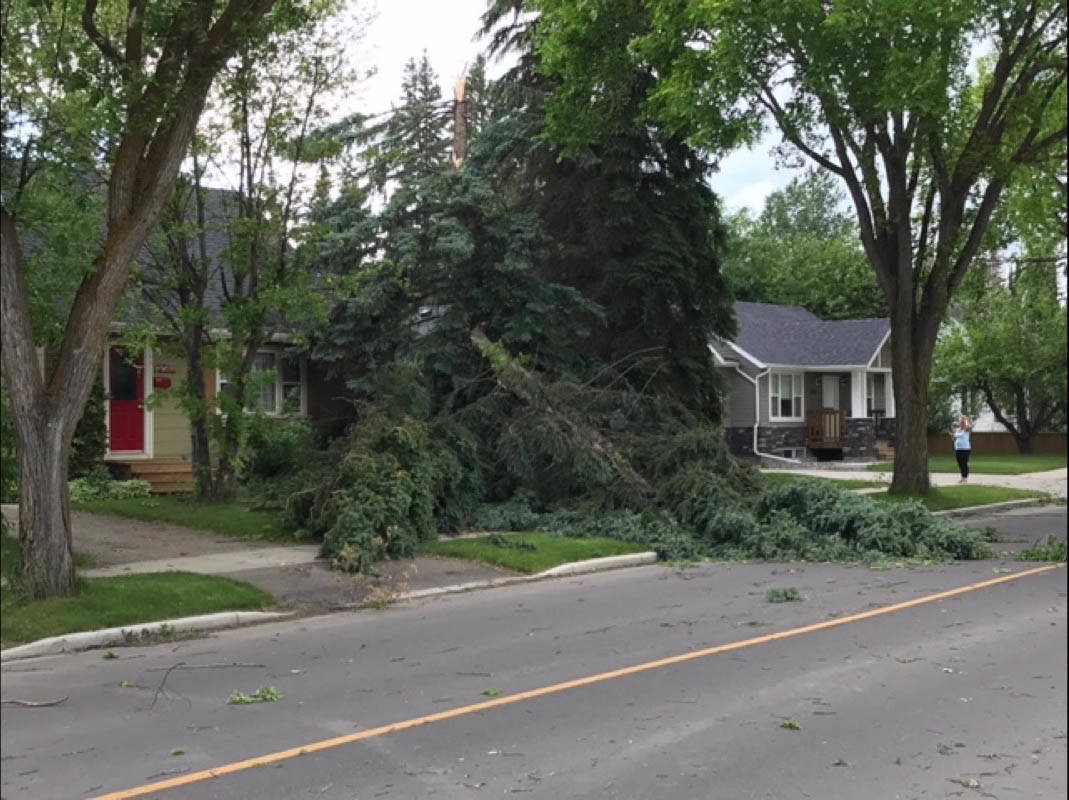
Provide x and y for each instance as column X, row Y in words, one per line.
column 275, row 383
column 785, row 395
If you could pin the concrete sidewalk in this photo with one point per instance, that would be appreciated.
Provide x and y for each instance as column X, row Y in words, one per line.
column 216, row 563
column 1053, row 482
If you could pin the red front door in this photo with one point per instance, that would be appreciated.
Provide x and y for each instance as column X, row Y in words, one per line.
column 126, row 391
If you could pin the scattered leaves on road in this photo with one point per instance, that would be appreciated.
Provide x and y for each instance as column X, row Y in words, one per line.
column 109, row 656
column 178, row 751
column 492, row 692
column 266, row 694
column 790, row 725
column 787, row 594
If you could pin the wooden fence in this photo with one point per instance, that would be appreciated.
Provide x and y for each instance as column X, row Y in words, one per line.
column 1047, row 444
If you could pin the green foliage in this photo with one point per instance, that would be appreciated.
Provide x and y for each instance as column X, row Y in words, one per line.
column 278, row 447
column 90, row 443
column 1053, row 549
column 784, row 595
column 265, row 694
column 803, row 250
column 99, row 485
column 1010, row 347
column 388, row 485
column 839, row 525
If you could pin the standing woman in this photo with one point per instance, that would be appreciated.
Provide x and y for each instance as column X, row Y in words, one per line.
column 963, row 447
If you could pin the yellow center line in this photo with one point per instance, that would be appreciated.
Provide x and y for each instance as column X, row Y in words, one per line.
column 532, row 694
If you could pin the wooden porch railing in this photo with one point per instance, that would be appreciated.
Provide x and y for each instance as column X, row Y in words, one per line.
column 825, row 428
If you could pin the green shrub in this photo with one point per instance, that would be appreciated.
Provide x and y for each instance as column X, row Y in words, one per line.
column 90, row 442
column 813, row 521
column 278, row 446
column 385, row 487
column 515, row 514
column 98, row 485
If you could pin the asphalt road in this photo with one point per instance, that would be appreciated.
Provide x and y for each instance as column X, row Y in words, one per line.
column 957, row 698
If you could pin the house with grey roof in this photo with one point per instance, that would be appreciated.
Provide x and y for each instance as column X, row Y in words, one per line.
column 806, row 388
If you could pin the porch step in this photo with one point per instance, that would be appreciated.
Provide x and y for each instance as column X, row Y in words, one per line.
column 165, row 477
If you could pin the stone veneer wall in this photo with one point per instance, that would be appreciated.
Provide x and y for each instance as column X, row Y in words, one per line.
column 886, row 429
column 769, row 440
column 860, row 439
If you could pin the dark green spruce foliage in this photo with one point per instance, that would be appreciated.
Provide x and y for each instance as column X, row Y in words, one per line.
column 525, row 342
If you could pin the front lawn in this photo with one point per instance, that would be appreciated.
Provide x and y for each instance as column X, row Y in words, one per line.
column 988, row 464
column 126, row 600
column 530, row 552
column 841, row 483
column 234, row 520
column 945, row 498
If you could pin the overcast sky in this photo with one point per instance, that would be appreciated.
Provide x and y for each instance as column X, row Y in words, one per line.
column 402, row 29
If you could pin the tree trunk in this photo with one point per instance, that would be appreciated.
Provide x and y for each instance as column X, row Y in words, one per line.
column 198, row 416
column 912, row 368
column 1025, row 444
column 225, row 489
column 47, row 563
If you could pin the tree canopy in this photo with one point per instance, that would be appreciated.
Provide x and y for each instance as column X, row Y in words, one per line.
column 886, row 96
column 803, row 250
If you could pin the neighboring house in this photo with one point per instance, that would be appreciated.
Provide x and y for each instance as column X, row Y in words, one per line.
column 148, row 430
column 802, row 387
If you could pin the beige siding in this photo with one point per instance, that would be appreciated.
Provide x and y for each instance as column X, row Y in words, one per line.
column 169, row 421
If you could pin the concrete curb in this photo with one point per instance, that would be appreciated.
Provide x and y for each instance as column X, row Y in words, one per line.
column 73, row 642
column 561, row 571
column 974, row 511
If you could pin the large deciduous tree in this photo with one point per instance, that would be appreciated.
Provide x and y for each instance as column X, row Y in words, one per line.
column 123, row 85
column 886, row 95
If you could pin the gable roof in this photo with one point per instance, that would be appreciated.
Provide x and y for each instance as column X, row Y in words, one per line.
column 792, row 336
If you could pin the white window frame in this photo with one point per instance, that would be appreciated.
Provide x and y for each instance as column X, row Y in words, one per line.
column 280, row 400
column 797, row 393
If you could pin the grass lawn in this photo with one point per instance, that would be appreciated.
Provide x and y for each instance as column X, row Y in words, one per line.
column 530, row 552
column 982, row 464
column 948, row 497
column 234, row 520
column 110, row 602
column 845, row 483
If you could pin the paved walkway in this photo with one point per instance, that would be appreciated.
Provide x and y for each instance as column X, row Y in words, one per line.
column 1052, row 482
column 216, row 563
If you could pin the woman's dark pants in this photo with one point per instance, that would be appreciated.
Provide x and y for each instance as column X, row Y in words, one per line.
column 963, row 461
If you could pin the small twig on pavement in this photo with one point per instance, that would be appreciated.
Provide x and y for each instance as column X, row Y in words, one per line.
column 160, row 689
column 182, row 665
column 35, row 703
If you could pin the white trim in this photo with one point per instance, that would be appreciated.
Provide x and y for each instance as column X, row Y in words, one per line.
column 858, row 382
column 720, row 360
column 815, row 367
column 757, row 415
column 149, row 432
column 280, row 399
column 796, row 392
column 880, row 348
column 755, row 361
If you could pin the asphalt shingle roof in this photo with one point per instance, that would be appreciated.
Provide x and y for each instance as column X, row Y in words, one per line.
column 793, row 336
